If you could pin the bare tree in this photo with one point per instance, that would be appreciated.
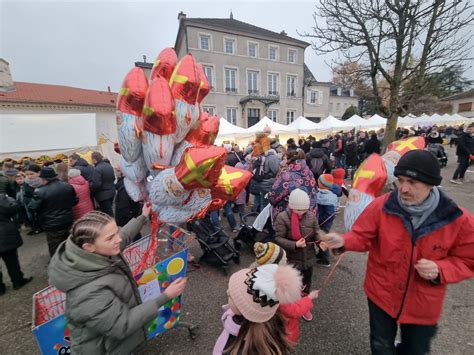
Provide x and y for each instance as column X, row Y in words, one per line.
column 393, row 41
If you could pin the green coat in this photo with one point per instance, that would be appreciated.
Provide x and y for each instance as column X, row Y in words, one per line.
column 104, row 311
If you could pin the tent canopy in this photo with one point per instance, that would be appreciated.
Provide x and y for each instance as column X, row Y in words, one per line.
column 357, row 122
column 332, row 123
column 276, row 128
column 303, row 125
column 227, row 129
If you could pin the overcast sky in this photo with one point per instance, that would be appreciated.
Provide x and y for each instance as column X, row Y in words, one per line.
column 93, row 44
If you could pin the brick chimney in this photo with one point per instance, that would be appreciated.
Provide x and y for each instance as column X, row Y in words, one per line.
column 284, row 33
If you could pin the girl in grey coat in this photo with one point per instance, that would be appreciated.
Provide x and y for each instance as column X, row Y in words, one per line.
column 104, row 311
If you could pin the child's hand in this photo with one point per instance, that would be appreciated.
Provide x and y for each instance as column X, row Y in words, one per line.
column 301, row 243
column 176, row 287
column 313, row 294
column 146, row 209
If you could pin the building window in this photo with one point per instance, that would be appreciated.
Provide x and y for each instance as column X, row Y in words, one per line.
column 339, row 91
column 252, row 82
column 209, row 71
column 272, row 114
column 465, row 107
column 232, row 115
column 313, row 97
column 230, row 80
column 291, row 85
column 272, row 84
column 273, row 53
column 205, row 42
column 290, row 116
column 331, row 107
column 291, row 56
column 252, row 49
column 351, row 92
column 338, row 107
column 229, row 45
column 210, row 109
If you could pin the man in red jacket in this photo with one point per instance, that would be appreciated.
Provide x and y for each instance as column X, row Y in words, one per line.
column 418, row 241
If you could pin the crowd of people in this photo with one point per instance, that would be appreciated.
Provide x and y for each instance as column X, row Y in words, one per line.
column 418, row 238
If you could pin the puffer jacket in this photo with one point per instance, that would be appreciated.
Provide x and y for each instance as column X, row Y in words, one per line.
column 271, row 166
column 300, row 257
column 318, row 153
column 292, row 313
column 296, row 175
column 10, row 238
column 85, row 205
column 87, row 171
column 391, row 282
column 53, row 203
column 104, row 311
column 103, row 182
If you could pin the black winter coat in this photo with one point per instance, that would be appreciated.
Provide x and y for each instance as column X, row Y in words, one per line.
column 103, row 182
column 87, row 171
column 10, row 238
column 125, row 207
column 350, row 151
column 53, row 203
column 465, row 145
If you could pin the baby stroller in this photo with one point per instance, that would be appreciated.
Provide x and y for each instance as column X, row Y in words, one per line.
column 215, row 244
column 438, row 151
column 248, row 233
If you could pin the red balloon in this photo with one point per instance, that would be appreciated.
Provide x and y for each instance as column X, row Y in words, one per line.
column 200, row 167
column 230, row 184
column 164, row 64
column 158, row 111
column 205, row 132
column 404, row 145
column 185, row 80
column 371, row 176
column 117, row 148
column 204, row 86
column 132, row 93
column 216, row 205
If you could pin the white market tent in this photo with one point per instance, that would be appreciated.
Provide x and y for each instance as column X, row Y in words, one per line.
column 377, row 121
column 277, row 128
column 227, row 129
column 303, row 125
column 332, row 124
column 357, row 122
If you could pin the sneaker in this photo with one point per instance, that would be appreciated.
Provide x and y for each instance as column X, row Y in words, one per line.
column 455, row 181
column 323, row 263
column 308, row 316
column 22, row 283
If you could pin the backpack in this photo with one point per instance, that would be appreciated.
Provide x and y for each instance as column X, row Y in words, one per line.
column 317, row 165
column 258, row 168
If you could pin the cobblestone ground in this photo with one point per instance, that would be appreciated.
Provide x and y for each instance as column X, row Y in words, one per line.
column 340, row 324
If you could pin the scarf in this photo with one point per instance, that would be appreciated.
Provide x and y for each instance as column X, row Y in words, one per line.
column 295, row 226
column 230, row 328
column 420, row 213
column 35, row 182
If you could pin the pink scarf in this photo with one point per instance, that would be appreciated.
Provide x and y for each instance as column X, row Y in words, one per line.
column 295, row 225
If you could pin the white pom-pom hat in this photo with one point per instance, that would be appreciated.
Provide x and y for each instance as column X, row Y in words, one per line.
column 258, row 292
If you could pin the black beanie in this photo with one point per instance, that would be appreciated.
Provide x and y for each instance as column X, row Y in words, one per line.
column 420, row 165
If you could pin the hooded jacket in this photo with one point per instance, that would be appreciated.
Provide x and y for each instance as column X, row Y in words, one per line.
column 318, row 153
column 391, row 282
column 104, row 311
column 87, row 170
column 103, row 181
column 85, row 205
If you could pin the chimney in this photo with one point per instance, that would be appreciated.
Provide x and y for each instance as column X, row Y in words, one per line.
column 108, row 88
column 6, row 81
column 231, row 15
column 181, row 16
column 284, row 33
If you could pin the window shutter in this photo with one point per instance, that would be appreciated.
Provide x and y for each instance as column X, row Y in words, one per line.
column 308, row 97
column 320, row 97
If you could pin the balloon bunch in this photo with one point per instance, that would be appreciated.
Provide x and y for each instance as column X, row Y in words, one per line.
column 166, row 141
column 372, row 176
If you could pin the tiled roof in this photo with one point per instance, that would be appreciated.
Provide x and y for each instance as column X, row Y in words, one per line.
column 463, row 95
column 239, row 26
column 57, row 94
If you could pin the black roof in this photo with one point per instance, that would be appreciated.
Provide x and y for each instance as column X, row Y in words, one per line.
column 233, row 25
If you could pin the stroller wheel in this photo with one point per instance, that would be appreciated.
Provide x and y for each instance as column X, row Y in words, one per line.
column 237, row 245
column 236, row 259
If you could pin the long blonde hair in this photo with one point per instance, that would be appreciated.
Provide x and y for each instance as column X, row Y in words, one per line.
column 267, row 338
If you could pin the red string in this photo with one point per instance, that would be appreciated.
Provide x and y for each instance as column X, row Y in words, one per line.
column 326, row 280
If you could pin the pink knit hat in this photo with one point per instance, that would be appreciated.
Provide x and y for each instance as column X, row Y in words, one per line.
column 257, row 292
